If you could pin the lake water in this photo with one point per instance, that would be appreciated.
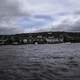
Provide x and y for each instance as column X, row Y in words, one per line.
column 40, row 62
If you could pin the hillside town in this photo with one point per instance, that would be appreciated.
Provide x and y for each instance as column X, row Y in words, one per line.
column 40, row 38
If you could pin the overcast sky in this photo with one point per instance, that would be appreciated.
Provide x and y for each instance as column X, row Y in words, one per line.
column 18, row 16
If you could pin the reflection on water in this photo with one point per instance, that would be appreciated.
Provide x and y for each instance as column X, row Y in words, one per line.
column 40, row 62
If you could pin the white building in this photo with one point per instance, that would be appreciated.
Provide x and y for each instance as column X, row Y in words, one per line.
column 24, row 40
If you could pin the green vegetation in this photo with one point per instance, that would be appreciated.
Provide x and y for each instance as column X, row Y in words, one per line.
column 40, row 38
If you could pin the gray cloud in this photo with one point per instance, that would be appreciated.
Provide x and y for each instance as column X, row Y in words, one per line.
column 69, row 23
column 10, row 13
column 8, row 8
column 9, row 31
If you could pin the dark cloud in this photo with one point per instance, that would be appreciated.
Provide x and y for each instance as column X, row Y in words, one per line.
column 70, row 23
column 76, row 26
column 9, row 31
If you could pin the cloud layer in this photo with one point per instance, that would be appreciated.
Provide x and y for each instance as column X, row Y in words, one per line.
column 17, row 16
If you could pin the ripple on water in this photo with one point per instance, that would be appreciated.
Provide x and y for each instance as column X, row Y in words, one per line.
column 40, row 62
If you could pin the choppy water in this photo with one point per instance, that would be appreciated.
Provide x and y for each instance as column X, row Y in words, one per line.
column 40, row 62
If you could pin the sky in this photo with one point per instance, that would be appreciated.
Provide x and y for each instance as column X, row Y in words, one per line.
column 24, row 16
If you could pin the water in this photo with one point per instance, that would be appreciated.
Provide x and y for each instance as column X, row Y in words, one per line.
column 40, row 62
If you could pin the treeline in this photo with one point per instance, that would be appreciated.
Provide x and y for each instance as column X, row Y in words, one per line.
column 41, row 37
